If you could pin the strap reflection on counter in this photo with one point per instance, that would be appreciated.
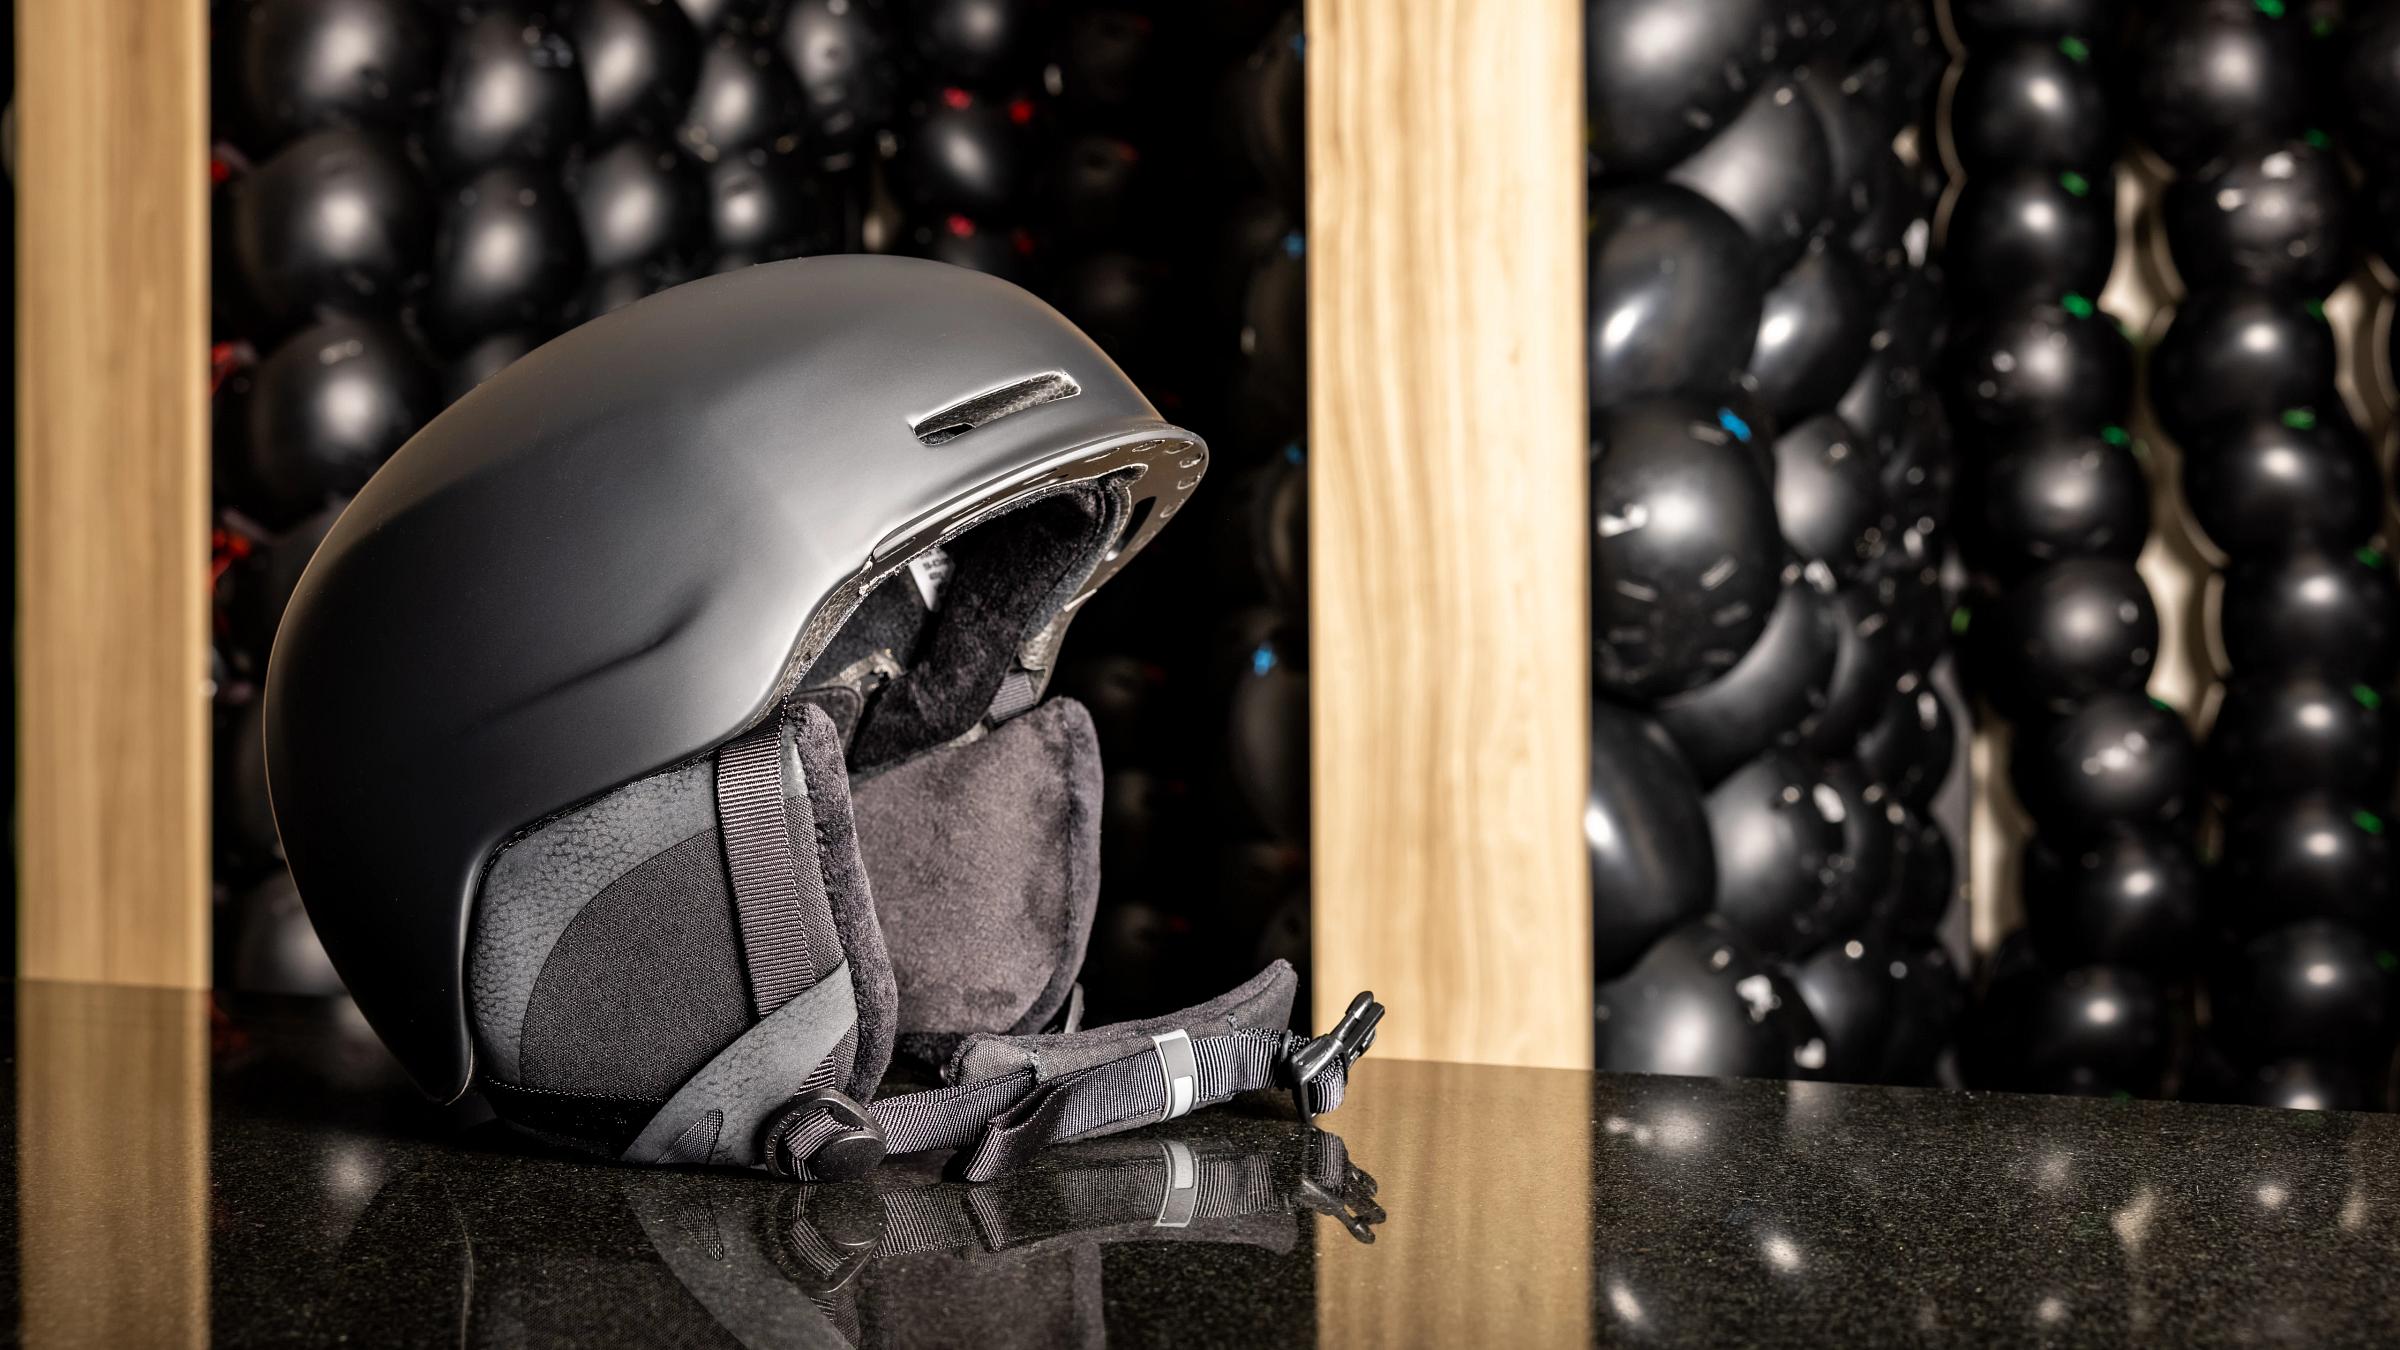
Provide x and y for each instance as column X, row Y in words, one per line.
column 897, row 1259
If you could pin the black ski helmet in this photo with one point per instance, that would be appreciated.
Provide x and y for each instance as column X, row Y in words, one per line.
column 659, row 736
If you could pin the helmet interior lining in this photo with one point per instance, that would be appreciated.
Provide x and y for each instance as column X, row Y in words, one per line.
column 1009, row 577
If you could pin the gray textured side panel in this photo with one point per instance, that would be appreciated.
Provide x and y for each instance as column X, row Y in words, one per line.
column 644, row 986
column 753, row 1076
column 541, row 882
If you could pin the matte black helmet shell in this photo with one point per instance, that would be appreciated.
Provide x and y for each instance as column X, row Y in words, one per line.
column 624, row 549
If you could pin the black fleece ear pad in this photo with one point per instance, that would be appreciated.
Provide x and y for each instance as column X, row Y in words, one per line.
column 1003, row 584
column 985, row 864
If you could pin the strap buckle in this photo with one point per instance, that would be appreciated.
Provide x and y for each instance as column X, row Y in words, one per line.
column 1353, row 1206
column 827, row 1135
column 1350, row 1038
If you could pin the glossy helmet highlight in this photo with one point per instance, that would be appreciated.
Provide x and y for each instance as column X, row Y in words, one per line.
column 658, row 740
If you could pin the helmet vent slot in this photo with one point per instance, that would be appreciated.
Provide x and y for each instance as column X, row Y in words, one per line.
column 993, row 404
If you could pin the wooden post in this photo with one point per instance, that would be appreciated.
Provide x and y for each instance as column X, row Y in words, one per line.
column 1449, row 621
column 112, row 490
column 112, row 1163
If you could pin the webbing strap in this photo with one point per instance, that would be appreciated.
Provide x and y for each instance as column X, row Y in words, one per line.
column 948, row 1117
column 1323, row 1093
column 1008, row 1118
column 912, row 1122
column 1105, row 1080
column 1017, row 693
column 770, row 885
column 1121, row 1094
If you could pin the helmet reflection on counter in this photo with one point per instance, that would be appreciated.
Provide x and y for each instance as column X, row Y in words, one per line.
column 566, row 1256
column 658, row 740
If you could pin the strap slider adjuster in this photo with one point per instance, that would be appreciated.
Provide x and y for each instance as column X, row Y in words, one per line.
column 827, row 1133
column 1350, row 1038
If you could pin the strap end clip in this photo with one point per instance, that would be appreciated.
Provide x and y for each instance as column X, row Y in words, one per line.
column 1315, row 1059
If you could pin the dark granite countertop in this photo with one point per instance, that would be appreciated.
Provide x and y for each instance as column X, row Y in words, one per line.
column 257, row 1173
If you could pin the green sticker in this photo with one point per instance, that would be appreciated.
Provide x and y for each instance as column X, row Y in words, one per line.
column 2075, row 184
column 2273, row 9
column 2076, row 48
column 2299, row 419
column 2114, row 435
column 2366, row 697
column 2076, row 305
column 2370, row 557
column 1960, row 618
column 2367, row 821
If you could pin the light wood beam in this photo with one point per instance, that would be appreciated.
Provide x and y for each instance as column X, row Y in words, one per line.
column 112, row 490
column 1449, row 622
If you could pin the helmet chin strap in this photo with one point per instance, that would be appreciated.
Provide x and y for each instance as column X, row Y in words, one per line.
column 792, row 1094
column 1007, row 1097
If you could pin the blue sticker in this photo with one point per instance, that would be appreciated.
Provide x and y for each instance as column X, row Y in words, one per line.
column 1295, row 244
column 1262, row 660
column 1728, row 420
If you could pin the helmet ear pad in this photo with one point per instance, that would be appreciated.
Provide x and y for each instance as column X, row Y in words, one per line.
column 605, row 965
column 962, row 883
column 984, row 860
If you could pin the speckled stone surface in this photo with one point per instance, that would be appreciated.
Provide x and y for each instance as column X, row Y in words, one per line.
column 1505, row 1206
